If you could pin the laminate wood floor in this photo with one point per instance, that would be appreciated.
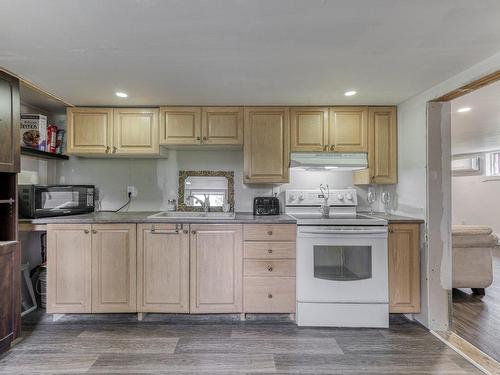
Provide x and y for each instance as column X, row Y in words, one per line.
column 119, row 344
column 477, row 318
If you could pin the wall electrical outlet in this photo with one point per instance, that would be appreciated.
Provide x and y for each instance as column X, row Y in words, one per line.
column 132, row 190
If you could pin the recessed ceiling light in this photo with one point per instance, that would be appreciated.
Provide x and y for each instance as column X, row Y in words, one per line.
column 350, row 93
column 121, row 94
column 464, row 109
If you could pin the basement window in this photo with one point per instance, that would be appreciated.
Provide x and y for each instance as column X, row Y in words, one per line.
column 493, row 163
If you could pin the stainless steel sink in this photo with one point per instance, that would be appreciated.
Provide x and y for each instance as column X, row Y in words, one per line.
column 193, row 215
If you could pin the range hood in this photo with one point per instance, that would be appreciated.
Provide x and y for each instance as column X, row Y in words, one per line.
column 328, row 161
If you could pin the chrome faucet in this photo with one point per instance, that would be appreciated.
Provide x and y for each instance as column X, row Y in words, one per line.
column 204, row 204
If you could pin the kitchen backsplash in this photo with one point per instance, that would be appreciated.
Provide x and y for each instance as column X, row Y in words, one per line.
column 157, row 179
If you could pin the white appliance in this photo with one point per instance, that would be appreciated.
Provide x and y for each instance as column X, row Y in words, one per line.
column 466, row 165
column 328, row 160
column 342, row 275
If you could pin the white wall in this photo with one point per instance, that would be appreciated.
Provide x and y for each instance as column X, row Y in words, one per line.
column 412, row 168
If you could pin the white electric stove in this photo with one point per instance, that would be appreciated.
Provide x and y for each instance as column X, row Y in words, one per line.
column 342, row 276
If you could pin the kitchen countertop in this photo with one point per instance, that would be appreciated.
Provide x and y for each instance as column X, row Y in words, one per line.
column 396, row 219
column 142, row 217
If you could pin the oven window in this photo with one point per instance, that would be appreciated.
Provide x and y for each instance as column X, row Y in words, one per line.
column 343, row 263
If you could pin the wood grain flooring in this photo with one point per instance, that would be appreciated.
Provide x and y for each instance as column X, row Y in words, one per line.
column 119, row 344
column 477, row 318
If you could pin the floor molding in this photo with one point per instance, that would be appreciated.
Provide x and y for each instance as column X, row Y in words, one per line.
column 481, row 360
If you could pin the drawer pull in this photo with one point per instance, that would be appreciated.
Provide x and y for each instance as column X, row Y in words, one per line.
column 94, row 231
column 270, row 232
column 159, row 231
column 193, row 232
column 270, row 251
column 270, row 269
column 269, row 296
column 86, row 231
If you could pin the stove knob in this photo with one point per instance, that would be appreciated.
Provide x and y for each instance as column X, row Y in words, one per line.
column 340, row 197
column 349, row 196
column 291, row 197
column 301, row 197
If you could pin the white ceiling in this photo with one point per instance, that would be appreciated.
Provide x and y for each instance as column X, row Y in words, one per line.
column 244, row 52
column 479, row 129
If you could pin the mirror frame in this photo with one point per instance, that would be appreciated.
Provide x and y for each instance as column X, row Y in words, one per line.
column 183, row 175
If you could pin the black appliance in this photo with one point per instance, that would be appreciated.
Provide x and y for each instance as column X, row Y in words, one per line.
column 55, row 200
column 266, row 206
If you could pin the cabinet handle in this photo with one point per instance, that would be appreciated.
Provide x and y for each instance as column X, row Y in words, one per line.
column 185, row 231
column 198, row 138
column 270, row 232
column 86, row 231
column 107, row 149
column 193, row 232
column 332, row 147
column 155, row 231
column 270, row 251
column 94, row 231
column 270, row 269
column 114, row 149
column 325, row 148
column 204, row 138
column 269, row 295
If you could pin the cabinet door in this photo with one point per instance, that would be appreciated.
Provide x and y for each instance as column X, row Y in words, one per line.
column 135, row 131
column 222, row 126
column 163, row 268
column 10, row 302
column 9, row 123
column 216, row 268
column 89, row 130
column 267, row 145
column 348, row 129
column 404, row 268
column 180, row 125
column 382, row 155
column 69, row 248
column 113, row 268
column 309, row 128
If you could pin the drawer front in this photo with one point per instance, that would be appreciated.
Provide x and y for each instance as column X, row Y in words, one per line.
column 269, row 267
column 269, row 232
column 269, row 250
column 269, row 294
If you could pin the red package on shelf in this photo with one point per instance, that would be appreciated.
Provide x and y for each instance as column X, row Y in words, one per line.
column 51, row 138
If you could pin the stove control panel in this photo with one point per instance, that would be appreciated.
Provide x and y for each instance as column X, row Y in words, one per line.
column 313, row 197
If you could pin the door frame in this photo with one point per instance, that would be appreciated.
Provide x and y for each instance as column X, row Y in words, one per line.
column 439, row 206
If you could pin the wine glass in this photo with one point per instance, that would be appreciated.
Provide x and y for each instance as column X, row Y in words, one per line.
column 371, row 197
column 386, row 200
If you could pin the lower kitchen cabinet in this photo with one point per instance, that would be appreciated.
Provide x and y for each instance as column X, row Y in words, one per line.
column 163, row 268
column 10, row 318
column 404, row 268
column 91, row 268
column 114, row 268
column 69, row 252
column 216, row 270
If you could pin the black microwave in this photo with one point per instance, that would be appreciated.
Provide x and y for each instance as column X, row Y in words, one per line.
column 55, row 200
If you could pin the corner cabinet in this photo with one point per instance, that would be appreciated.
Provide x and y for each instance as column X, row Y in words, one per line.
column 404, row 268
column 9, row 123
column 108, row 131
column 267, row 145
column 382, row 148
column 163, row 268
column 216, row 268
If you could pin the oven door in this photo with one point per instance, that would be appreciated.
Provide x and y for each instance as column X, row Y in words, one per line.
column 63, row 200
column 342, row 264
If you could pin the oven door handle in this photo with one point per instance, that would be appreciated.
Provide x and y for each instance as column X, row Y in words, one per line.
column 345, row 231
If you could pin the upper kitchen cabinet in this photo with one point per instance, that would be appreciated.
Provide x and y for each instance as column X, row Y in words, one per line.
column 348, row 130
column 309, row 129
column 135, row 131
column 9, row 123
column 222, row 126
column 382, row 148
column 89, row 130
column 267, row 145
column 180, row 125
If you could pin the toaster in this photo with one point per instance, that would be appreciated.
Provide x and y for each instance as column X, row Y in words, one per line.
column 266, row 206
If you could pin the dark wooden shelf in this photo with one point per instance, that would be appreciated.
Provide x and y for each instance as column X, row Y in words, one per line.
column 42, row 154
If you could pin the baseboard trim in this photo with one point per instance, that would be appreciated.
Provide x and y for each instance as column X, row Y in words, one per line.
column 481, row 360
